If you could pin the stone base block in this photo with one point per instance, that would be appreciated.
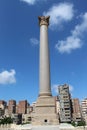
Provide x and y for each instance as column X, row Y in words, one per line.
column 45, row 112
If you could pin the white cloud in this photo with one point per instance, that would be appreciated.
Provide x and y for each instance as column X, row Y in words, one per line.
column 71, row 43
column 71, row 88
column 55, row 88
column 60, row 13
column 7, row 77
column 34, row 41
column 74, row 41
column 31, row 2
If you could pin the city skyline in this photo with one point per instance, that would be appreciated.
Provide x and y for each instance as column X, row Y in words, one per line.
column 19, row 47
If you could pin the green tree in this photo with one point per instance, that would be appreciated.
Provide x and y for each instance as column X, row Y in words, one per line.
column 6, row 120
column 80, row 123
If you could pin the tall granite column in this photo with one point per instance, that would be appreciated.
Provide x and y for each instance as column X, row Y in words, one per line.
column 45, row 108
column 44, row 72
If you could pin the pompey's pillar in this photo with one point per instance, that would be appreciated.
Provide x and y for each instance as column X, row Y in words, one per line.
column 45, row 107
column 44, row 66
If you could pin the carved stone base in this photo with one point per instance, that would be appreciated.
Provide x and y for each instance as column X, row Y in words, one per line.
column 45, row 112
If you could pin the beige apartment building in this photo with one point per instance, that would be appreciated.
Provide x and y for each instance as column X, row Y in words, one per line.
column 57, row 105
column 84, row 109
column 76, row 113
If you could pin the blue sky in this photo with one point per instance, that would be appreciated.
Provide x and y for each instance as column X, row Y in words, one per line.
column 19, row 47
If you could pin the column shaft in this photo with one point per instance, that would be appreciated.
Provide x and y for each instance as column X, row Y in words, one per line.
column 44, row 75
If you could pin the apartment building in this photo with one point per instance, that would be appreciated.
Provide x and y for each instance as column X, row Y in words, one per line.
column 84, row 109
column 2, row 107
column 22, row 107
column 76, row 115
column 57, row 105
column 65, row 103
column 2, row 104
column 12, row 107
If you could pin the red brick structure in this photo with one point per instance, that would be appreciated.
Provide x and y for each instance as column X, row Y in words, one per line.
column 12, row 106
column 22, row 107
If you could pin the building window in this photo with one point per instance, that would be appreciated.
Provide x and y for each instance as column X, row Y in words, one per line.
column 29, row 118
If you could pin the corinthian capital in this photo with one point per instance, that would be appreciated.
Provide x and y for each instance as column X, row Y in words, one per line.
column 43, row 20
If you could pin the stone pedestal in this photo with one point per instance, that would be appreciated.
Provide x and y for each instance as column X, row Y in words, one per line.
column 45, row 112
